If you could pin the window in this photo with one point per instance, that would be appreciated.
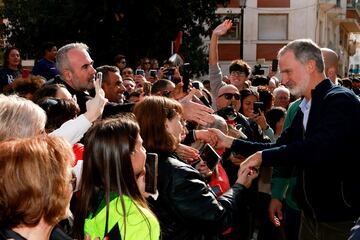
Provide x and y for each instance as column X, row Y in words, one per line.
column 273, row 27
column 234, row 32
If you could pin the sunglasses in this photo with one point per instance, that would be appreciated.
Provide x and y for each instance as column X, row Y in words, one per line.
column 229, row 96
column 123, row 62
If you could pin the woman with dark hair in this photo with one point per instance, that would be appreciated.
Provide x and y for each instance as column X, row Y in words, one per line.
column 186, row 206
column 52, row 90
column 11, row 70
column 111, row 203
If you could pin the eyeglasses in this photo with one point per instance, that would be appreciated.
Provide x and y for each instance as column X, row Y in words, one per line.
column 229, row 96
column 237, row 74
column 123, row 62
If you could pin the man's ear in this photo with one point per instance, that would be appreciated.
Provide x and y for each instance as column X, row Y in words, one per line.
column 311, row 66
column 67, row 75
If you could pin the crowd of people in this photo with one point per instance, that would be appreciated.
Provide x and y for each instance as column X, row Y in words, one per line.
column 241, row 156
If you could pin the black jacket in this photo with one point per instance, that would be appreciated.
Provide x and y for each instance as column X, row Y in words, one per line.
column 82, row 97
column 186, row 206
column 326, row 155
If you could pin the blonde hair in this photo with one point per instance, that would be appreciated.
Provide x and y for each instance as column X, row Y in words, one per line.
column 20, row 117
column 35, row 180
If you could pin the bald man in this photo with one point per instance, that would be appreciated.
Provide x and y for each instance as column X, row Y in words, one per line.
column 331, row 63
column 228, row 95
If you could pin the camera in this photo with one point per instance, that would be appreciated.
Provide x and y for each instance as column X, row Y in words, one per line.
column 257, row 70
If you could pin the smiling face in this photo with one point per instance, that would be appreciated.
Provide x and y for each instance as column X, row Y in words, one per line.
column 227, row 96
column 294, row 74
column 114, row 87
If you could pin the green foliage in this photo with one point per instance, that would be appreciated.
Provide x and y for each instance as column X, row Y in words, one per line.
column 135, row 28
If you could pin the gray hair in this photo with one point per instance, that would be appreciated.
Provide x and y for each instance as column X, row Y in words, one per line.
column 304, row 50
column 20, row 118
column 62, row 61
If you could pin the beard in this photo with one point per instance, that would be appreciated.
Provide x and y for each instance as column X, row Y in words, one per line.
column 298, row 90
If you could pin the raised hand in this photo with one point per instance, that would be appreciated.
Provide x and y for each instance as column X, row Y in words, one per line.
column 95, row 106
column 223, row 28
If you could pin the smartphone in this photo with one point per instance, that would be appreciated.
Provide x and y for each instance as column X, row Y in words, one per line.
column 258, row 106
column 151, row 166
column 186, row 77
column 274, row 65
column 169, row 73
column 139, row 72
column 210, row 156
column 153, row 73
column 196, row 85
column 99, row 75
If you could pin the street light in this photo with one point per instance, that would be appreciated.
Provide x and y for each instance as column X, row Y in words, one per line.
column 242, row 6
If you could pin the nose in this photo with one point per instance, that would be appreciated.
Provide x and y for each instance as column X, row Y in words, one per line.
column 92, row 69
column 284, row 79
column 123, row 88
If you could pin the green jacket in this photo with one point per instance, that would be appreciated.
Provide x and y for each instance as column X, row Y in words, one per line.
column 283, row 181
column 136, row 225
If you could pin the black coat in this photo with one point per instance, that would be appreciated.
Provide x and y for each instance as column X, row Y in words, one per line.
column 186, row 206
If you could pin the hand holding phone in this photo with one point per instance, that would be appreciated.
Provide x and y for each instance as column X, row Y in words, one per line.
column 153, row 73
column 139, row 72
column 257, row 107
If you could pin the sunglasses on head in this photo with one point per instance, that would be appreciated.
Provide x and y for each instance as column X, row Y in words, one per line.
column 229, row 96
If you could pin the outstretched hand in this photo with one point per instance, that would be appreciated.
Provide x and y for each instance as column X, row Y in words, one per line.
column 196, row 112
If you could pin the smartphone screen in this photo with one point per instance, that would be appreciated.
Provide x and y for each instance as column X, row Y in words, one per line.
column 196, row 85
column 153, row 73
column 274, row 65
column 210, row 156
column 186, row 77
column 151, row 166
column 258, row 106
column 139, row 72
